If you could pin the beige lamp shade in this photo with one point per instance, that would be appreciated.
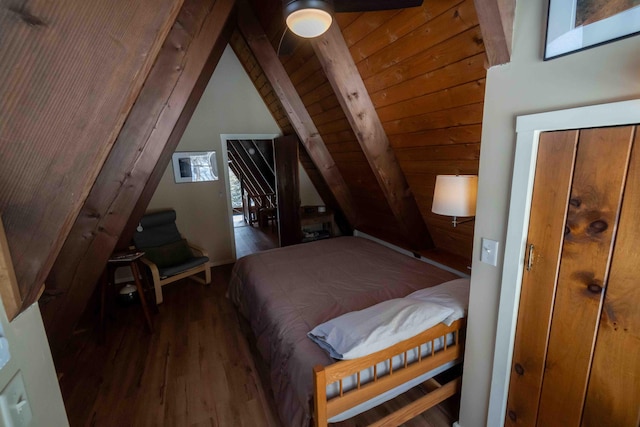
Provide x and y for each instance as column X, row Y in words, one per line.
column 310, row 22
column 455, row 195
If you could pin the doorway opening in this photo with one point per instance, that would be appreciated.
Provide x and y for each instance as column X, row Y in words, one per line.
column 251, row 192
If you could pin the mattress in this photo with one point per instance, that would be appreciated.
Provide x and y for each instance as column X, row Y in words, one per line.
column 286, row 292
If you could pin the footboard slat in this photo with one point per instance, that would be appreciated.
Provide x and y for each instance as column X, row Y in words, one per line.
column 417, row 407
column 326, row 409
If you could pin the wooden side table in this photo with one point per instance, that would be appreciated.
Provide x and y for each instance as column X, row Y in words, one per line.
column 132, row 260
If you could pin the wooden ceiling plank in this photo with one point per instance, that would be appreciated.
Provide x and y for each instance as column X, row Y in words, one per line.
column 467, row 70
column 453, row 135
column 454, row 49
column 446, row 25
column 191, row 46
column 352, row 94
column 295, row 109
column 456, row 96
column 395, row 27
column 496, row 22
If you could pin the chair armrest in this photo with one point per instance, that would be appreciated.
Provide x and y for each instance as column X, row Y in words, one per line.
column 150, row 264
column 198, row 249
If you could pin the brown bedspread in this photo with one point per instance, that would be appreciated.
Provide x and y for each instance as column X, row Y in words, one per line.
column 286, row 292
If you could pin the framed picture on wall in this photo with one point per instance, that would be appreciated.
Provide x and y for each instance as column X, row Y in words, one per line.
column 195, row 166
column 574, row 25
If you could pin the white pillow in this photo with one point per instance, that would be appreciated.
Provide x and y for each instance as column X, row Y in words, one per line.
column 363, row 332
column 453, row 294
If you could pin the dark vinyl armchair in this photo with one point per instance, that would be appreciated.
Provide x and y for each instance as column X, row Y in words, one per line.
column 169, row 256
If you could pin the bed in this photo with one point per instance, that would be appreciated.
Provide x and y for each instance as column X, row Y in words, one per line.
column 286, row 292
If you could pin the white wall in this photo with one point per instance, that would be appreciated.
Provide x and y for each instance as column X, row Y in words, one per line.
column 31, row 355
column 526, row 85
column 308, row 194
column 229, row 105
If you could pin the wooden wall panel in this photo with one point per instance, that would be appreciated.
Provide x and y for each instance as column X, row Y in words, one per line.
column 554, row 171
column 613, row 395
column 69, row 74
column 594, row 207
column 127, row 169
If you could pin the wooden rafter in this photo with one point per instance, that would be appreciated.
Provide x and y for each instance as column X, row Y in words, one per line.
column 199, row 34
column 342, row 73
column 496, row 23
column 295, row 109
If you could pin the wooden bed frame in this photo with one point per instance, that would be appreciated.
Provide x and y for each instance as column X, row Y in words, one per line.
column 327, row 375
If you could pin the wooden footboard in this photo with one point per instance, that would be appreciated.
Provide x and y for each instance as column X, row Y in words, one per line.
column 337, row 372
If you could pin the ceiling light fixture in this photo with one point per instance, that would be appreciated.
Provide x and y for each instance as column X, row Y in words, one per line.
column 308, row 18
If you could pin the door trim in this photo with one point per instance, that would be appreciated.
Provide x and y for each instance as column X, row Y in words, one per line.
column 225, row 162
column 528, row 129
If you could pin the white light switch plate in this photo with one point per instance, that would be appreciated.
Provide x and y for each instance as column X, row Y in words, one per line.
column 489, row 252
column 14, row 403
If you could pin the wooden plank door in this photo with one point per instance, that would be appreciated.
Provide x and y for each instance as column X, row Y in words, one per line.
column 575, row 208
column 554, row 168
column 596, row 196
column 288, row 189
column 613, row 395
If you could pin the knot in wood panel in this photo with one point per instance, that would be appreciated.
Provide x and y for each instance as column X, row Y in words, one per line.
column 594, row 288
column 519, row 369
column 597, row 227
column 512, row 415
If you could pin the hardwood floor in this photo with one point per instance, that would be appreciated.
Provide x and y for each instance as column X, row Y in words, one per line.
column 252, row 239
column 194, row 370
column 197, row 369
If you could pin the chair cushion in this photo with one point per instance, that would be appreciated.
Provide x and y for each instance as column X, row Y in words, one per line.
column 177, row 269
column 170, row 254
column 158, row 229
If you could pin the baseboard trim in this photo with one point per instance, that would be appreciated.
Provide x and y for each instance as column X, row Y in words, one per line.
column 362, row 234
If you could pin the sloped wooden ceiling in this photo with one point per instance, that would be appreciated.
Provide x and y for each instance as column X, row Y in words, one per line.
column 72, row 77
column 424, row 70
column 69, row 74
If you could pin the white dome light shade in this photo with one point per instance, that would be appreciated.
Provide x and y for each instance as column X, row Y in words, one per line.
column 309, row 23
column 455, row 195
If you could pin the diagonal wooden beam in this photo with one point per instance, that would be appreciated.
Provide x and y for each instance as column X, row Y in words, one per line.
column 496, row 23
column 295, row 109
column 197, row 39
column 342, row 73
